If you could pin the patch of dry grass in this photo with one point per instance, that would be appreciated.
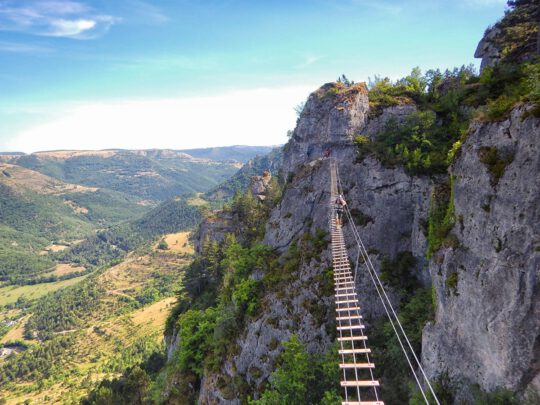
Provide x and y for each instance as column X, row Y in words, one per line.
column 178, row 243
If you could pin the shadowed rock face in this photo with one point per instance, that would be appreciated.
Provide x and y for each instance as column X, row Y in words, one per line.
column 487, row 329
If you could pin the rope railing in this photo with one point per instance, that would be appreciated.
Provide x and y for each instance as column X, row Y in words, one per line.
column 381, row 292
column 356, row 365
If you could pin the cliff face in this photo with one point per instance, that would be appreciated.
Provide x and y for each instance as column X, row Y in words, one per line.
column 391, row 203
column 488, row 318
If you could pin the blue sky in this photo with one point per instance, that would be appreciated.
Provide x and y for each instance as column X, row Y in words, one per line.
column 182, row 73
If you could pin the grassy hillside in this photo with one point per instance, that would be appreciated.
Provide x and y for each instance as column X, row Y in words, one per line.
column 93, row 330
column 115, row 242
column 152, row 175
column 40, row 215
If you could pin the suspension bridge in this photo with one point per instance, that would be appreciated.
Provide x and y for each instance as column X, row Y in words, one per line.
column 357, row 369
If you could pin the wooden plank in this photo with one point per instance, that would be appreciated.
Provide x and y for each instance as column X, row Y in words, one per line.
column 357, row 365
column 348, row 309
column 354, row 351
column 351, row 338
column 365, row 383
column 353, row 294
column 346, row 318
column 351, row 327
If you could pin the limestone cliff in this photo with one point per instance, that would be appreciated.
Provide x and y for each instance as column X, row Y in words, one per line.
column 391, row 202
column 487, row 324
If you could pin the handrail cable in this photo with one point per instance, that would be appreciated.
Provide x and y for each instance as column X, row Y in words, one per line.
column 378, row 284
column 349, row 320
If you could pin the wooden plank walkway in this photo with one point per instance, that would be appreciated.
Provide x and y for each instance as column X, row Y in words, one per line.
column 357, row 378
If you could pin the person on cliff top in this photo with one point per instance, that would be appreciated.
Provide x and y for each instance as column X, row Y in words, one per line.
column 340, row 207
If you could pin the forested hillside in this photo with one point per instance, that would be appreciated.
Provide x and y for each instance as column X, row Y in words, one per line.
column 88, row 272
column 241, row 180
column 153, row 175
column 94, row 307
column 40, row 215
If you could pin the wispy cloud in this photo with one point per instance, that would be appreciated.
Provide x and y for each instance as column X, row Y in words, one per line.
column 308, row 61
column 16, row 47
column 387, row 7
column 482, row 3
column 148, row 12
column 56, row 18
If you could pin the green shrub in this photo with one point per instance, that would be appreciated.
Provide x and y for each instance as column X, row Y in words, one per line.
column 443, row 387
column 441, row 216
column 360, row 218
column 398, row 274
column 301, row 378
column 163, row 245
column 499, row 396
column 246, row 296
column 195, row 332
column 494, row 162
column 452, row 282
column 364, row 147
column 415, row 311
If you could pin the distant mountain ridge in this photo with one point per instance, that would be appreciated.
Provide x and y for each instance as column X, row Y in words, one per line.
column 152, row 174
column 240, row 153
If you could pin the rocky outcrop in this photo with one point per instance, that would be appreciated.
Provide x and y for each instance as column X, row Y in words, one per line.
column 213, row 228
column 487, row 50
column 487, row 326
column 376, row 124
column 260, row 185
column 331, row 118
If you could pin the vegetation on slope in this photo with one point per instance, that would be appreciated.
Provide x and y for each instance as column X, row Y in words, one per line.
column 425, row 141
column 301, row 378
column 115, row 242
column 152, row 175
column 99, row 328
column 39, row 215
column 241, row 180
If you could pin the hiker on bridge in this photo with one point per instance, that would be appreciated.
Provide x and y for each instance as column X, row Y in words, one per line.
column 340, row 207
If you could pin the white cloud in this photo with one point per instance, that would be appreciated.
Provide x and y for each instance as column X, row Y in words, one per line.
column 249, row 117
column 69, row 28
column 59, row 18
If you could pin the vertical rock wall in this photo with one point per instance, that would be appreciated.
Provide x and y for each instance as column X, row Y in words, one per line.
column 487, row 323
